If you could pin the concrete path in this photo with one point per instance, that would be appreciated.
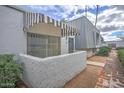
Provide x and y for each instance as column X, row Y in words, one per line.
column 95, row 63
column 85, row 79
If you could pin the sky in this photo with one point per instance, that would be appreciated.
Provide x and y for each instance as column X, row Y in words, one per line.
column 110, row 18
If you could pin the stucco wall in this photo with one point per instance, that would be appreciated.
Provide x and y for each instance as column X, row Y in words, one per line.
column 12, row 37
column 64, row 45
column 90, row 53
column 52, row 71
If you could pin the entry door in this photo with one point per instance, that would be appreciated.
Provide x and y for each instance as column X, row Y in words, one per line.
column 71, row 45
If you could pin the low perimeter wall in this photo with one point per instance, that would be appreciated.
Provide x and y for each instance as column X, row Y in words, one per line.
column 52, row 71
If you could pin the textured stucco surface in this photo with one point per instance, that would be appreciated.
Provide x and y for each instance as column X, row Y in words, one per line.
column 52, row 71
column 64, row 45
column 12, row 36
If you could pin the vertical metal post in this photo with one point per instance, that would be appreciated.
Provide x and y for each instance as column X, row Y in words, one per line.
column 86, row 11
column 96, row 14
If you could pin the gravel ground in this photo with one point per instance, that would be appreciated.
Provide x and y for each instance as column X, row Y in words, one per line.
column 86, row 79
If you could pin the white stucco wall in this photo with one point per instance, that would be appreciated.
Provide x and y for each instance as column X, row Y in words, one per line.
column 12, row 37
column 90, row 53
column 52, row 71
column 64, row 45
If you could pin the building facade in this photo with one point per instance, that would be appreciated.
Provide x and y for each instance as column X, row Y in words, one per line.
column 34, row 34
column 115, row 44
column 89, row 38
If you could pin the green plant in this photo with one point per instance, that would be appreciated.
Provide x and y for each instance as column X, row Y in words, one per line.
column 9, row 71
column 121, row 55
column 103, row 51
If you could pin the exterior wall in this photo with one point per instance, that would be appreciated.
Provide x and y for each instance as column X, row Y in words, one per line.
column 89, row 33
column 90, row 53
column 52, row 71
column 64, row 45
column 118, row 43
column 73, row 44
column 87, row 37
column 12, row 36
column 80, row 41
column 45, row 29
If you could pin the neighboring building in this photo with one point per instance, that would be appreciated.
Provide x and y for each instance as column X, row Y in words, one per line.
column 89, row 38
column 115, row 44
column 34, row 33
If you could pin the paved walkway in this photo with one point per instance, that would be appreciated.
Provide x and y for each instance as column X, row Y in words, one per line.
column 112, row 76
column 100, row 75
column 86, row 79
column 96, row 63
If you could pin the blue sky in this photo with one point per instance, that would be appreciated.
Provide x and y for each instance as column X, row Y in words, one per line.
column 110, row 18
column 52, row 10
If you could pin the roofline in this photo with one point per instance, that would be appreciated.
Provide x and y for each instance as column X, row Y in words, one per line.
column 87, row 20
column 11, row 6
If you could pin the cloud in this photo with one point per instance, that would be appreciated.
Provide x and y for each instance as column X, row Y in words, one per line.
column 58, row 11
column 110, row 18
column 111, row 21
column 112, row 35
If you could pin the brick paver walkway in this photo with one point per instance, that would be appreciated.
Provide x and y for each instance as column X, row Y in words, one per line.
column 112, row 76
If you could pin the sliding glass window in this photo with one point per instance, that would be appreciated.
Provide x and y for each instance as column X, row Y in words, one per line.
column 42, row 46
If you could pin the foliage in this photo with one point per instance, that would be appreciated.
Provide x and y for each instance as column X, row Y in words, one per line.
column 103, row 51
column 9, row 71
column 121, row 55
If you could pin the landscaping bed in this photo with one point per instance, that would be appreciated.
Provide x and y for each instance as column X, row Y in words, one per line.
column 121, row 55
column 103, row 51
column 10, row 72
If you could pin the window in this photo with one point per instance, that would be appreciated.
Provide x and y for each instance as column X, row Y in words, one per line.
column 42, row 46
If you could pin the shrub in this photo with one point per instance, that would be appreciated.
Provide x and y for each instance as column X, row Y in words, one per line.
column 121, row 56
column 103, row 51
column 9, row 71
